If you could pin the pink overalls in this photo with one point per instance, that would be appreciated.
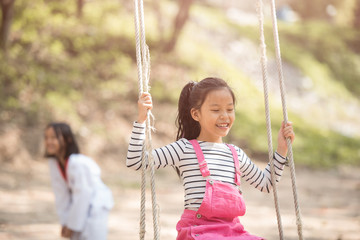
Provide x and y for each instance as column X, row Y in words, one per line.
column 217, row 216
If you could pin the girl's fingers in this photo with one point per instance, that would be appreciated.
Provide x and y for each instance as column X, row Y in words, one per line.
column 290, row 135
column 145, row 95
column 288, row 132
column 148, row 106
column 145, row 100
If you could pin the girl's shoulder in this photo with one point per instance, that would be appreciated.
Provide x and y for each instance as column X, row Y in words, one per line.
column 237, row 148
column 184, row 143
column 77, row 160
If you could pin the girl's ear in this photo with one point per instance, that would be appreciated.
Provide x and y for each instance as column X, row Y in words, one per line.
column 195, row 114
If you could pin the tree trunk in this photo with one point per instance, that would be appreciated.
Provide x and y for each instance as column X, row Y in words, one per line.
column 356, row 22
column 159, row 19
column 7, row 9
column 80, row 5
column 179, row 23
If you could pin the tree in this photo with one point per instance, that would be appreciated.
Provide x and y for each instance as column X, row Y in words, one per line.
column 79, row 5
column 356, row 22
column 7, row 9
column 179, row 23
column 159, row 17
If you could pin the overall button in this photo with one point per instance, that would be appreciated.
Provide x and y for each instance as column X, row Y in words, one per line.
column 198, row 215
column 196, row 235
column 211, row 182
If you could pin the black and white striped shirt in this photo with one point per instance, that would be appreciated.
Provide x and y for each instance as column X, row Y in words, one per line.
column 218, row 156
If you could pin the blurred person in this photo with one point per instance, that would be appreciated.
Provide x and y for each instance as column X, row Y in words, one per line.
column 210, row 169
column 82, row 200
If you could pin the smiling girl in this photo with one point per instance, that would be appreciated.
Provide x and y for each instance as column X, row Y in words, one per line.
column 210, row 170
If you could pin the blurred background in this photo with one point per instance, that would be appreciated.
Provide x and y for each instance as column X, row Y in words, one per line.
column 74, row 61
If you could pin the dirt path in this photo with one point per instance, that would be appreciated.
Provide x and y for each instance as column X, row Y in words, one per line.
column 329, row 203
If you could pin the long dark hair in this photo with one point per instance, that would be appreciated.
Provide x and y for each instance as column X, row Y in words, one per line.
column 63, row 131
column 193, row 95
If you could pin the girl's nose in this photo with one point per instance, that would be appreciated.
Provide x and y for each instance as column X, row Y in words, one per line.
column 223, row 115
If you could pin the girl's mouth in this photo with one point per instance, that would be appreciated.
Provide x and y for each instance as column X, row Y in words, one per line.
column 223, row 125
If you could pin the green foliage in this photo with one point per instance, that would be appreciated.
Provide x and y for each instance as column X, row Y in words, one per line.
column 327, row 54
column 324, row 53
column 57, row 61
column 336, row 48
column 325, row 148
column 54, row 52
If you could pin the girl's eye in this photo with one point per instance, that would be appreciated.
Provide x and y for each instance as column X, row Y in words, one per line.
column 214, row 110
column 230, row 110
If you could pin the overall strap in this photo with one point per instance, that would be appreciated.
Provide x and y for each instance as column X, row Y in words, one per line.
column 237, row 165
column 200, row 157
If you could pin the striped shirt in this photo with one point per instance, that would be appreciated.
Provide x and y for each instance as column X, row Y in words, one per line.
column 219, row 158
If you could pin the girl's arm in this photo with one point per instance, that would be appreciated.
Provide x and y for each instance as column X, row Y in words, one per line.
column 167, row 155
column 262, row 179
column 164, row 156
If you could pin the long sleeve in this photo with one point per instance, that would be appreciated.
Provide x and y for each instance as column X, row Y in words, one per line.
column 61, row 191
column 168, row 155
column 255, row 176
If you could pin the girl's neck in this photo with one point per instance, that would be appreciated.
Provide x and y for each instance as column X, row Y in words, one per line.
column 206, row 139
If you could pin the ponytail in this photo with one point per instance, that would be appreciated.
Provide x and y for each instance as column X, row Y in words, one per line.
column 187, row 127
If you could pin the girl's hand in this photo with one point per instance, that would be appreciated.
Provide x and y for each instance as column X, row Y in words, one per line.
column 144, row 104
column 286, row 131
column 66, row 232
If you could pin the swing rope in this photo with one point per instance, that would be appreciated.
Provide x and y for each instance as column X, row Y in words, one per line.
column 285, row 116
column 143, row 68
column 267, row 113
column 283, row 101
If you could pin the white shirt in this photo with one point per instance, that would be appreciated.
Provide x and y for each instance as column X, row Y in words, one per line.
column 83, row 190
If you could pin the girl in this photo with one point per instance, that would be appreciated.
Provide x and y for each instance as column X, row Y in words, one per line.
column 209, row 169
column 82, row 200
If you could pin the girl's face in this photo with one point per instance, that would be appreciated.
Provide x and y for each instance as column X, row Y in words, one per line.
column 52, row 143
column 216, row 115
